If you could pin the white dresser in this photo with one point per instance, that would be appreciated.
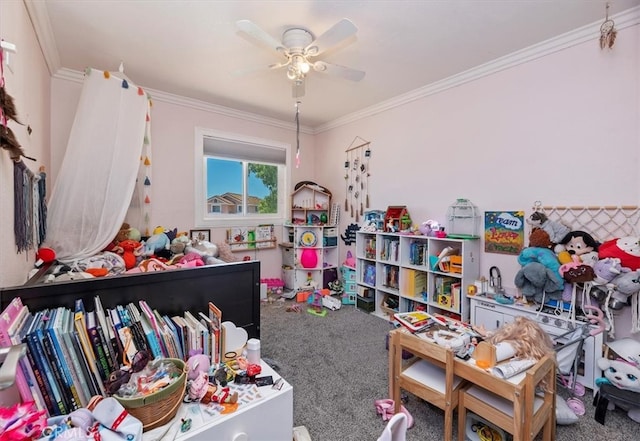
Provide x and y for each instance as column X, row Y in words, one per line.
column 269, row 418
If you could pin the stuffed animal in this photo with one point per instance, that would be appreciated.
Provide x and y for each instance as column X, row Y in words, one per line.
column 122, row 234
column 623, row 372
column 606, row 269
column 129, row 250
column 157, row 242
column 197, row 363
column 581, row 244
column 556, row 230
column 536, row 281
column 540, row 238
column 624, row 286
column 627, row 249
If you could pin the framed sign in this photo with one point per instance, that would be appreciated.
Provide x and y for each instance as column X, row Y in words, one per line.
column 201, row 235
column 503, row 232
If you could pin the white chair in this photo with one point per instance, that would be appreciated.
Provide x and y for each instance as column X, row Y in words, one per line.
column 396, row 428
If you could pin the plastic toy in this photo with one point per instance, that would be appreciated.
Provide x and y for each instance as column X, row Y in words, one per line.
column 309, row 258
column 331, row 303
column 315, row 304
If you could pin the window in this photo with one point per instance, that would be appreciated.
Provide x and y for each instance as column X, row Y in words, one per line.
column 242, row 180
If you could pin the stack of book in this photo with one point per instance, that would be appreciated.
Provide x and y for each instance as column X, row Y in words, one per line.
column 70, row 354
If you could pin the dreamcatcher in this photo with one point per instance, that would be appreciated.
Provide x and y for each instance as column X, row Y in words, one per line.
column 608, row 31
column 356, row 179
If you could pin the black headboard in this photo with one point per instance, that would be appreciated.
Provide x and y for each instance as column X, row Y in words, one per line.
column 232, row 287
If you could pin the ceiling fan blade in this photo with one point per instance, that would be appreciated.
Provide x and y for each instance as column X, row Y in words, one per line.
column 254, row 69
column 339, row 71
column 298, row 89
column 253, row 30
column 332, row 37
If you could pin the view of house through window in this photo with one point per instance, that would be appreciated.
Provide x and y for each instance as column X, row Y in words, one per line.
column 242, row 179
column 228, row 192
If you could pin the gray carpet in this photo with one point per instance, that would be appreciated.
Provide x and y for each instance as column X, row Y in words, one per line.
column 337, row 365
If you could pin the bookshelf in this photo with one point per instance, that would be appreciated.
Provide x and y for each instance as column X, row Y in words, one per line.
column 400, row 273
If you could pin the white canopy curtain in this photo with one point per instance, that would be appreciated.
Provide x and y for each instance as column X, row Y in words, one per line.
column 93, row 190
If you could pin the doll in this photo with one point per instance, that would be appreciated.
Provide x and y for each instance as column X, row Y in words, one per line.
column 526, row 337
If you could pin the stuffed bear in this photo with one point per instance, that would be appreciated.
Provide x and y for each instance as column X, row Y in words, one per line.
column 627, row 249
column 623, row 372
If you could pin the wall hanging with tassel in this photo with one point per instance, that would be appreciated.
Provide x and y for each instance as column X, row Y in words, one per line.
column 357, row 178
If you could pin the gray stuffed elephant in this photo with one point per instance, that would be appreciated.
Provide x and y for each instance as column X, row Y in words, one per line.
column 537, row 281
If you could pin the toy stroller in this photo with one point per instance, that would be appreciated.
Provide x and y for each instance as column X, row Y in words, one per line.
column 568, row 347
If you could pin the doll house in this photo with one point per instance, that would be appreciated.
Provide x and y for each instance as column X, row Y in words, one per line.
column 395, row 219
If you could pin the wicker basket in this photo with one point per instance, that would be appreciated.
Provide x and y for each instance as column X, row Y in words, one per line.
column 160, row 407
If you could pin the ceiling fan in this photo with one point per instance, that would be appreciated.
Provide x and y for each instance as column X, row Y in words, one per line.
column 298, row 50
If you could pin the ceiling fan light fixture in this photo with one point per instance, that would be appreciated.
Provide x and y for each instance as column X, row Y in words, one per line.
column 292, row 74
column 304, row 67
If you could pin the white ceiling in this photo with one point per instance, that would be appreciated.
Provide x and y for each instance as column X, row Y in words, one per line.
column 192, row 48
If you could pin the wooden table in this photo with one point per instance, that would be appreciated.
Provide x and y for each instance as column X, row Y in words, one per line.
column 512, row 389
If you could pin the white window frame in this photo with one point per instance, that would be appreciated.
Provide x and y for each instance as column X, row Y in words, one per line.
column 202, row 218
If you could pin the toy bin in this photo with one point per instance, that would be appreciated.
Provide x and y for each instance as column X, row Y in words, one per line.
column 366, row 304
column 288, row 275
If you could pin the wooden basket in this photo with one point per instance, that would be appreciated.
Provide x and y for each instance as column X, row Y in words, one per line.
column 160, row 407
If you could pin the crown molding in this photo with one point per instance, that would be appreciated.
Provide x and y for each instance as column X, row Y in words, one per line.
column 630, row 17
column 39, row 16
column 590, row 32
column 158, row 95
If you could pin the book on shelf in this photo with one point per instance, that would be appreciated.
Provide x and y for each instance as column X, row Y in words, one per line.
column 94, row 383
column 60, row 359
column 107, row 334
column 152, row 339
column 33, row 356
column 211, row 335
column 125, row 335
column 417, row 253
column 176, row 338
column 12, row 315
column 166, row 335
column 148, row 312
column 135, row 324
column 414, row 320
column 37, row 347
column 201, row 333
column 414, row 281
column 76, row 366
column 96, row 344
column 215, row 314
column 183, row 332
column 82, row 335
column 16, row 335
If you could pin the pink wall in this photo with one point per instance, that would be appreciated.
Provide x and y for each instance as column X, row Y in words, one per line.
column 172, row 142
column 562, row 129
column 28, row 82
